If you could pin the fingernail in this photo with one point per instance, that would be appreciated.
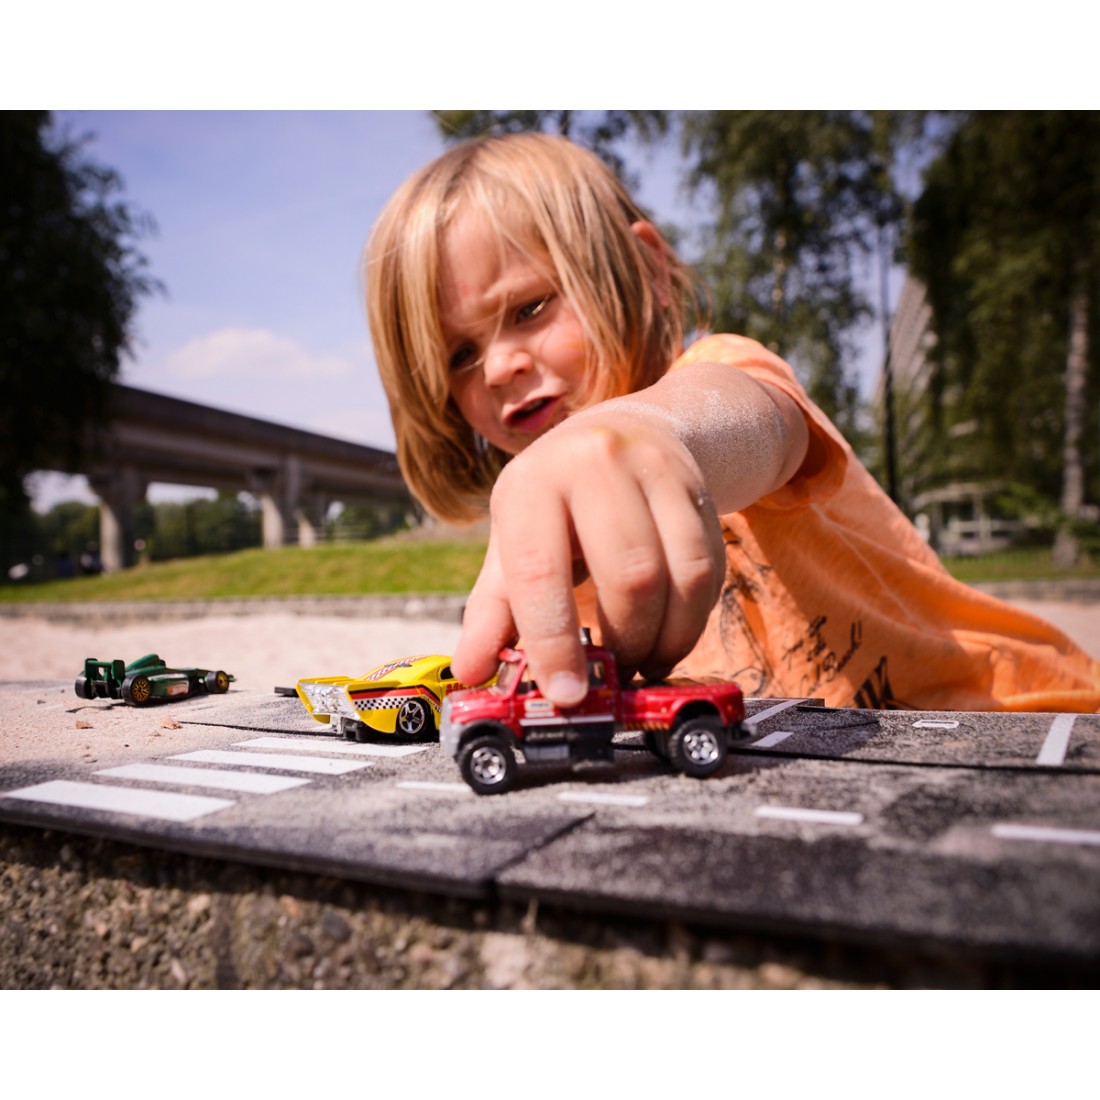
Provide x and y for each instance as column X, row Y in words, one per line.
column 566, row 688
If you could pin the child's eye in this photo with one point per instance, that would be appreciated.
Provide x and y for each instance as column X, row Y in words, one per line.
column 463, row 358
column 533, row 309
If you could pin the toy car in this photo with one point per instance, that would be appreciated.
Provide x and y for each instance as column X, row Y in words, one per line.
column 402, row 697
column 146, row 680
column 688, row 725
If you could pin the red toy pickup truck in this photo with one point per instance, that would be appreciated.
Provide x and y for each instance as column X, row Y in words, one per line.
column 689, row 725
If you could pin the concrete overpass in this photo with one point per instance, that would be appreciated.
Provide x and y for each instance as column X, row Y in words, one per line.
column 295, row 474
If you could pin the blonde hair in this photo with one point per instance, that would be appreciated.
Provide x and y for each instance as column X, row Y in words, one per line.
column 561, row 206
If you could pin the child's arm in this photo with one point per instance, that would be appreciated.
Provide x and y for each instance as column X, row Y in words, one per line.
column 629, row 491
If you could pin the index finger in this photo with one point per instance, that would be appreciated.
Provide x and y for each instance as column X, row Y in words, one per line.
column 535, row 552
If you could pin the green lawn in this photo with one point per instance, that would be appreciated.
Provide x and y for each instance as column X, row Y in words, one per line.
column 1031, row 564
column 387, row 566
column 368, row 568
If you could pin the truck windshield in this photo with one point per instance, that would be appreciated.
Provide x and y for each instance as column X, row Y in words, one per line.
column 507, row 676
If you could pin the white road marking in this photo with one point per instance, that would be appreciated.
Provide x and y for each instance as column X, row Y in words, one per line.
column 316, row 764
column 245, row 782
column 818, row 817
column 604, row 799
column 763, row 715
column 123, row 800
column 330, row 744
column 1047, row 833
column 1053, row 752
column 772, row 739
column 925, row 725
column 424, row 785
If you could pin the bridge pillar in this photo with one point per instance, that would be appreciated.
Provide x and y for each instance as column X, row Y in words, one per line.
column 310, row 518
column 280, row 490
column 119, row 492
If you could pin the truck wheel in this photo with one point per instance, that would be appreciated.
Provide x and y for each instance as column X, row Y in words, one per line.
column 217, row 683
column 657, row 743
column 85, row 689
column 414, row 719
column 698, row 747
column 488, row 764
column 137, row 690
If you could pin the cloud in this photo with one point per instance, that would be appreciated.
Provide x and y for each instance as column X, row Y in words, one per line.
column 253, row 354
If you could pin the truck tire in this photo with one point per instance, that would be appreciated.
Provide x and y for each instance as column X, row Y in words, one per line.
column 488, row 764
column 698, row 747
column 85, row 689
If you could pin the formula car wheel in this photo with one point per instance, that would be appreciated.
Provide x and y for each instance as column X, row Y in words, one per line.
column 85, row 689
column 698, row 747
column 657, row 743
column 217, row 683
column 137, row 690
column 488, row 764
column 414, row 719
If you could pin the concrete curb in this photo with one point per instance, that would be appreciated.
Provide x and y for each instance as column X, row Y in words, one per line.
column 1081, row 590
column 92, row 613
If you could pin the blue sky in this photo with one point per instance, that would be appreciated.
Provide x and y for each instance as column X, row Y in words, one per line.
column 261, row 219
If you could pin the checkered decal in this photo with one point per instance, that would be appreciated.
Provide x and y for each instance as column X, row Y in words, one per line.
column 391, row 700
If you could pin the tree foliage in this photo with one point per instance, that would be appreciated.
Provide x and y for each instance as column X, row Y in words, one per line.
column 797, row 199
column 1006, row 238
column 70, row 280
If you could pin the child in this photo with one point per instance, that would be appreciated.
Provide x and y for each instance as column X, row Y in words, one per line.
column 528, row 325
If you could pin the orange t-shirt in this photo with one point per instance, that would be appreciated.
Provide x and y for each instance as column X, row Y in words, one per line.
column 830, row 592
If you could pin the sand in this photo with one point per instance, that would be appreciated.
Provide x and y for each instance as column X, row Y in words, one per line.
column 271, row 649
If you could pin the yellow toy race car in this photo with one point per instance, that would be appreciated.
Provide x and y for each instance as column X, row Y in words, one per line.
column 402, row 697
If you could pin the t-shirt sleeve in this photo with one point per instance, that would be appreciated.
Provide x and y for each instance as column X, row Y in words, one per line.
column 828, row 454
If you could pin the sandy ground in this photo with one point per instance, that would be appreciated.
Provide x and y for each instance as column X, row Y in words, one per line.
column 265, row 650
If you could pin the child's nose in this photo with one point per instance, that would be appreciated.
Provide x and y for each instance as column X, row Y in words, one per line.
column 504, row 360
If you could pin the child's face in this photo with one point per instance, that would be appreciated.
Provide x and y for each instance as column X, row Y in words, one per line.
column 516, row 348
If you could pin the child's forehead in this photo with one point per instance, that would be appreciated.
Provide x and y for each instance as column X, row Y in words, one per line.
column 501, row 231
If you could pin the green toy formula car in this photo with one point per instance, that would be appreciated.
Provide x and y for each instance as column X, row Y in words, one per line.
column 147, row 679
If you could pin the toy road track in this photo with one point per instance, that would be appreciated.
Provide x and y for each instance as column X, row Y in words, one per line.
column 975, row 832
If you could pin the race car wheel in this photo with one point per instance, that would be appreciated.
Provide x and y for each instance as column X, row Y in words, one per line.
column 137, row 690
column 698, row 747
column 414, row 719
column 488, row 764
column 217, row 683
column 657, row 743
column 85, row 689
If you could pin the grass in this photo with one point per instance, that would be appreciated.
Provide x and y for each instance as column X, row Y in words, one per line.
column 386, row 566
column 389, row 566
column 1022, row 564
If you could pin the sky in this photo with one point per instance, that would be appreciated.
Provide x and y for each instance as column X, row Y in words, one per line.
column 261, row 219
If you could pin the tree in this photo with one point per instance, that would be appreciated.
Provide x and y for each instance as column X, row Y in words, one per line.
column 1006, row 238
column 600, row 131
column 798, row 197
column 70, row 280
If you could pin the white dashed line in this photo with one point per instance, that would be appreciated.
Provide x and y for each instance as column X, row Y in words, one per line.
column 926, row 725
column 315, row 764
column 424, row 785
column 123, row 800
column 763, row 715
column 1053, row 752
column 244, row 782
column 603, row 799
column 330, row 744
column 772, row 739
column 1047, row 833
column 817, row 817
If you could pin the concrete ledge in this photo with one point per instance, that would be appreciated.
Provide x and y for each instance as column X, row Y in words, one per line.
column 437, row 607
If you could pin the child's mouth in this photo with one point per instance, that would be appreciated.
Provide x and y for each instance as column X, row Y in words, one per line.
column 533, row 416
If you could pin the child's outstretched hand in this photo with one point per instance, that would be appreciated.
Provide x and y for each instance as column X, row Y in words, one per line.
column 627, row 492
